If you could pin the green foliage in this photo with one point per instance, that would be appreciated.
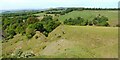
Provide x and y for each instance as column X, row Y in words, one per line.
column 39, row 26
column 11, row 24
column 46, row 18
column 77, row 21
column 28, row 25
column 100, row 21
column 10, row 34
column 90, row 23
column 49, row 24
column 20, row 29
column 30, row 31
column 62, row 11
column 20, row 13
column 16, row 23
column 31, row 20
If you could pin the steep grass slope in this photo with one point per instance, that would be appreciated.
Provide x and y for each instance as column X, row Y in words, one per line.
column 20, row 42
column 83, row 42
column 68, row 41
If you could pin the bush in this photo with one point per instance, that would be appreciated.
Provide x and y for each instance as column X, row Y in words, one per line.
column 39, row 27
column 77, row 21
column 103, row 24
column 49, row 24
column 30, row 31
column 20, row 29
column 32, row 20
column 10, row 34
column 100, row 21
column 90, row 23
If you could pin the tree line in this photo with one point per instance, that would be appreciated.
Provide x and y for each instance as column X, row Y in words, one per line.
column 64, row 11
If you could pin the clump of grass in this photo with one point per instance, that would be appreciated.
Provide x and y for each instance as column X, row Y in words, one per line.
column 44, row 47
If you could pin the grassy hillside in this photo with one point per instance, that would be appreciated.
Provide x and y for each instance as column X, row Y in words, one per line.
column 20, row 42
column 83, row 41
column 69, row 41
column 90, row 14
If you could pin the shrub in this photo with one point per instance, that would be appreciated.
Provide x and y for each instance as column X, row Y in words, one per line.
column 100, row 21
column 39, row 26
column 10, row 34
column 49, row 24
column 90, row 23
column 30, row 31
column 32, row 20
column 20, row 29
column 77, row 21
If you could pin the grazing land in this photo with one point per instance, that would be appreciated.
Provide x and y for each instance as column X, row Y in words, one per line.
column 90, row 14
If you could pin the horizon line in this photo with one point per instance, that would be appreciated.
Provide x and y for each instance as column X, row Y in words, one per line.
column 58, row 7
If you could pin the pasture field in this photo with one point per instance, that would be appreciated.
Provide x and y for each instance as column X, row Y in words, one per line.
column 90, row 14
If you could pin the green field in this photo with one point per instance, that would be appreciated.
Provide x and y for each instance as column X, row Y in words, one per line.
column 90, row 14
column 76, row 41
